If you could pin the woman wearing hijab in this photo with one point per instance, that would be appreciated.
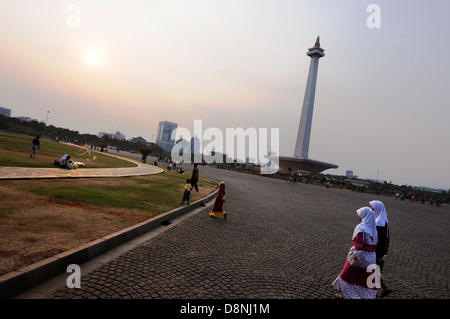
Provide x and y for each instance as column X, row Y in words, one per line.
column 383, row 239
column 352, row 282
column 218, row 204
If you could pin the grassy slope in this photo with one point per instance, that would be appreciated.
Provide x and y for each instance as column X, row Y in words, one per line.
column 15, row 151
column 152, row 194
column 149, row 194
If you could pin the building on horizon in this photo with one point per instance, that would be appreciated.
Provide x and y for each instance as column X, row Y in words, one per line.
column 117, row 135
column 141, row 140
column 164, row 135
column 5, row 112
column 195, row 145
column 138, row 139
column 349, row 174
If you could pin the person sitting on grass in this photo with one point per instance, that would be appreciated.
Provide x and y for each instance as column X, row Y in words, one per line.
column 64, row 161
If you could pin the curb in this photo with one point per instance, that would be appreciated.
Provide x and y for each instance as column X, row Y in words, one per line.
column 18, row 281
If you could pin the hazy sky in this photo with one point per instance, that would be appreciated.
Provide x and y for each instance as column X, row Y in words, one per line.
column 382, row 93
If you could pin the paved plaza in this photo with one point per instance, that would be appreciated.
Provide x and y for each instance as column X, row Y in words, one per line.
column 279, row 241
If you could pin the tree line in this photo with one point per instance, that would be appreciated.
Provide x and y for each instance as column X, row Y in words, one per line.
column 59, row 134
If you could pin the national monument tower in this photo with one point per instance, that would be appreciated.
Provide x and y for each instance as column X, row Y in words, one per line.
column 300, row 162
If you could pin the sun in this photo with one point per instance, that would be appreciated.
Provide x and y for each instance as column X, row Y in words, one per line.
column 93, row 57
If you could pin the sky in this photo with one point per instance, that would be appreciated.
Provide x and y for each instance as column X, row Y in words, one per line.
column 381, row 106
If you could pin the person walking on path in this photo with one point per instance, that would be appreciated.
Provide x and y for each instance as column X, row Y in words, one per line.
column 352, row 283
column 187, row 192
column 35, row 145
column 383, row 239
column 217, row 209
column 194, row 178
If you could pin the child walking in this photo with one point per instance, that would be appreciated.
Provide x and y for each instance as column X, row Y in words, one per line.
column 187, row 192
column 218, row 210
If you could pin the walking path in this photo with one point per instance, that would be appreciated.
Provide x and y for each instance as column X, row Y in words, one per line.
column 278, row 241
column 31, row 172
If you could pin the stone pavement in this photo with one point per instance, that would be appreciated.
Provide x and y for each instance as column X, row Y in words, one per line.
column 279, row 241
column 29, row 172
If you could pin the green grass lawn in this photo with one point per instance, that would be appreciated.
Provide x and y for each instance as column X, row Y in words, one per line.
column 153, row 194
column 15, row 151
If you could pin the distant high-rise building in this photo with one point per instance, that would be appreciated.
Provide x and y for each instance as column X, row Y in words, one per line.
column 164, row 135
column 5, row 112
column 118, row 135
column 349, row 174
column 195, row 145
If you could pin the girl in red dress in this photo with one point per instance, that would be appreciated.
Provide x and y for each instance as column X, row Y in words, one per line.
column 218, row 210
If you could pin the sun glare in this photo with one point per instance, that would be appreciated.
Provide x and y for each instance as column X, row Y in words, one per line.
column 93, row 57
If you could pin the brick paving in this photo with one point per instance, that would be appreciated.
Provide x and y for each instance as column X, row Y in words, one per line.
column 280, row 241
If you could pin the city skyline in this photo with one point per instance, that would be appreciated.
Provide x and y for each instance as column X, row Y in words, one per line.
column 380, row 106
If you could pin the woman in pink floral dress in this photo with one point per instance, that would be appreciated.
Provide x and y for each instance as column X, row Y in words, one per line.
column 352, row 283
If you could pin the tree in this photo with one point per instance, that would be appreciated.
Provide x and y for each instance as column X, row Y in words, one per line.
column 145, row 150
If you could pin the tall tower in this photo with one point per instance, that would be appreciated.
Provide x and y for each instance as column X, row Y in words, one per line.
column 304, row 127
column 300, row 163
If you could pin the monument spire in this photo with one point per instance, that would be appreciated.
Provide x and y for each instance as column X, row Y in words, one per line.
column 300, row 163
column 317, row 44
column 304, row 127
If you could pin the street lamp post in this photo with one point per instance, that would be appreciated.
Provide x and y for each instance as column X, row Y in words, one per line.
column 46, row 120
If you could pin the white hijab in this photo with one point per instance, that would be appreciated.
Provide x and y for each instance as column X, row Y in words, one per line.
column 380, row 213
column 367, row 224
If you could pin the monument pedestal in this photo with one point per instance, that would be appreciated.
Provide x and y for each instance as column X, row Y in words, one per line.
column 302, row 166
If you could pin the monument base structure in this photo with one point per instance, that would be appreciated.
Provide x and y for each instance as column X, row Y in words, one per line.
column 302, row 166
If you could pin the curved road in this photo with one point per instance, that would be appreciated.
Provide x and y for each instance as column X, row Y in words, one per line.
column 279, row 241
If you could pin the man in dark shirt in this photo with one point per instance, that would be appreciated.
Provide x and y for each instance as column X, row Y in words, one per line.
column 36, row 144
column 194, row 178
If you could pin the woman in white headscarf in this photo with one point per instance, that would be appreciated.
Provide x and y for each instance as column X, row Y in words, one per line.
column 383, row 239
column 353, row 279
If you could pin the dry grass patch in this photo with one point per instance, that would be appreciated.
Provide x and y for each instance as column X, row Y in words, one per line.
column 34, row 228
column 40, row 218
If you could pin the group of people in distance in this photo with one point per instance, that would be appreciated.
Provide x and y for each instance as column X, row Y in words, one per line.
column 67, row 162
column 366, row 257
